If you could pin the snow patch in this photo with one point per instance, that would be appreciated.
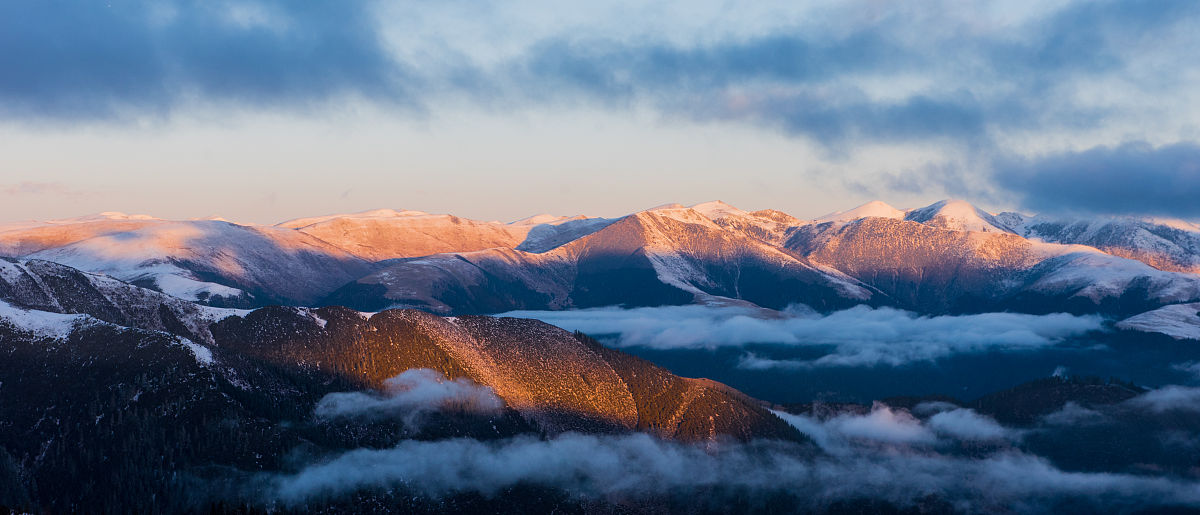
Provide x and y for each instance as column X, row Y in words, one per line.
column 203, row 354
column 176, row 284
column 41, row 323
column 311, row 313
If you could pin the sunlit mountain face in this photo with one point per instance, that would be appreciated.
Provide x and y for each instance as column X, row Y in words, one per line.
column 675, row 359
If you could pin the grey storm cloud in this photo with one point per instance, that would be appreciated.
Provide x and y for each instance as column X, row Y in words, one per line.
column 102, row 60
column 1131, row 178
column 885, row 454
column 802, row 81
column 98, row 60
column 409, row 394
column 860, row 336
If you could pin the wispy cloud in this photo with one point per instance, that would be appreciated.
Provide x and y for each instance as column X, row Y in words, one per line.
column 850, row 433
column 1190, row 367
column 966, row 424
column 1170, row 398
column 409, row 395
column 859, row 336
column 39, row 189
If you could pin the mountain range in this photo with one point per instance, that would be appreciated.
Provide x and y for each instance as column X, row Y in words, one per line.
column 172, row 354
column 946, row 258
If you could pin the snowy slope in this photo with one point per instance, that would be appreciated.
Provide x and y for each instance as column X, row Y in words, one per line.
column 933, row 269
column 45, row 287
column 1166, row 244
column 768, row 226
column 207, row 260
column 666, row 255
column 1179, row 321
column 387, row 234
column 956, row 215
column 951, row 214
column 874, row 208
column 550, row 234
column 1097, row 275
column 38, row 323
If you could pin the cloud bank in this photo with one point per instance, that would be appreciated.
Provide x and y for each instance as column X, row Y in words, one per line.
column 885, row 454
column 860, row 336
column 1170, row 398
column 850, row 433
column 413, row 392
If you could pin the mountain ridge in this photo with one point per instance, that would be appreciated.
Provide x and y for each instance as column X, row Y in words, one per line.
column 670, row 254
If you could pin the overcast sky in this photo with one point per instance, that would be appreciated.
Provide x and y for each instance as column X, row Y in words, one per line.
column 266, row 110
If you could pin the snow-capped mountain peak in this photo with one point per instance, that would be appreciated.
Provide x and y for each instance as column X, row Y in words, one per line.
column 663, row 207
column 374, row 214
column 874, row 208
column 716, row 210
column 102, row 217
column 546, row 218
column 677, row 212
column 1174, row 223
column 957, row 215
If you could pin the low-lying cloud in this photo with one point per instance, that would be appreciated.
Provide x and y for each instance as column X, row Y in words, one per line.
column 859, row 336
column 851, row 432
column 1190, row 367
column 966, row 424
column 1170, row 398
column 623, row 467
column 413, row 392
column 881, row 453
column 881, row 425
column 1073, row 414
